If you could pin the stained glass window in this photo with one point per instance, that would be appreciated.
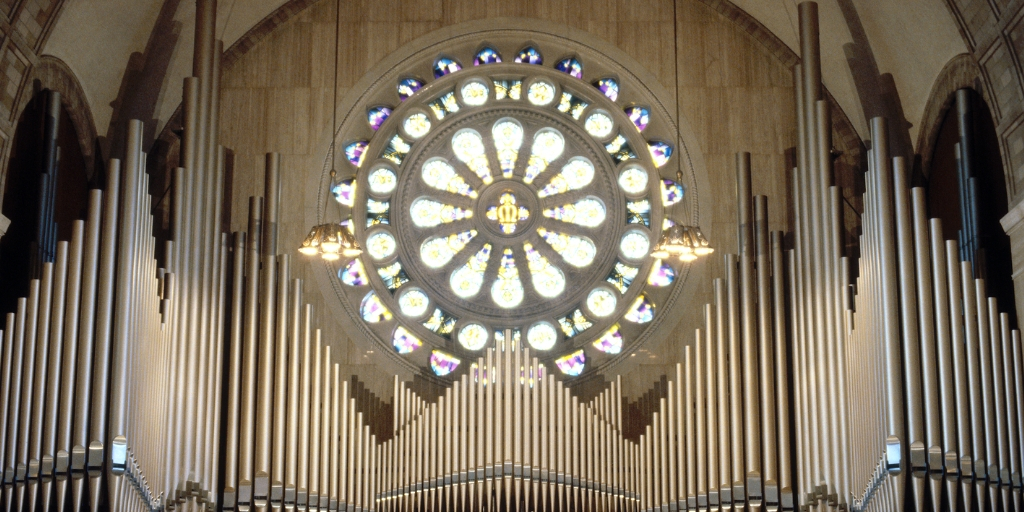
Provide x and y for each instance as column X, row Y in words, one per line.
column 467, row 279
column 622, row 276
column 436, row 252
column 570, row 66
column 633, row 180
column 507, row 290
column 469, row 148
column 373, row 310
column 640, row 117
column 541, row 336
column 529, row 55
column 354, row 274
column 428, row 213
column 487, row 55
column 610, row 342
column 548, row 145
column 541, row 93
column 671, row 192
column 499, row 337
column 642, row 310
column 638, row 212
column 609, row 87
column 474, row 93
column 572, row 364
column 444, row 66
column 345, row 192
column 382, row 181
column 417, row 125
column 381, row 245
column 355, row 152
column 444, row 105
column 511, row 89
column 660, row 152
column 404, row 341
column 547, row 279
column 377, row 212
column 661, row 274
column 508, row 138
column 571, row 105
column 635, row 245
column 396, row 150
column 377, row 115
column 619, row 149
column 393, row 275
column 413, row 303
column 587, row 213
column 576, row 174
column 577, row 251
column 473, row 337
column 574, row 323
column 442, row 364
column 439, row 174
column 599, row 125
column 407, row 87
column 441, row 323
column 602, row 302
column 506, row 214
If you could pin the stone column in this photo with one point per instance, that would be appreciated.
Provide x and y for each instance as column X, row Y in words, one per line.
column 1013, row 225
column 4, row 224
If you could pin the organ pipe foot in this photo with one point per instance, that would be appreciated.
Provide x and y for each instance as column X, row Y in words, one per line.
column 77, row 491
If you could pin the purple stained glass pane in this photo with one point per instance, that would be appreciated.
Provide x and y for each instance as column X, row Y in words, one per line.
column 529, row 55
column 377, row 115
column 444, row 66
column 661, row 152
column 487, row 55
column 443, row 363
column 610, row 342
column 641, row 312
column 661, row 275
column 407, row 87
column 572, row 364
column 356, row 151
column 609, row 87
column 640, row 117
column 404, row 341
column 345, row 192
column 570, row 66
column 671, row 192
column 354, row 274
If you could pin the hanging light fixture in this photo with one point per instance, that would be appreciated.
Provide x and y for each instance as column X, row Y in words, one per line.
column 686, row 242
column 333, row 240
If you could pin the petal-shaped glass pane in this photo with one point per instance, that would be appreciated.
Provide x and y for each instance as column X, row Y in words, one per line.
column 475, row 93
column 609, row 87
column 577, row 251
column 574, row 323
column 638, row 212
column 377, row 115
column 642, row 310
column 393, row 275
column 373, row 310
column 671, row 192
column 404, row 341
column 413, row 303
column 417, row 125
column 467, row 279
column 511, row 89
column 407, row 87
column 661, row 274
column 441, row 323
column 446, row 104
column 660, row 152
column 572, row 364
column 610, row 342
column 486, row 55
column 602, row 302
column 587, row 213
column 541, row 93
column 622, row 276
column 382, row 181
column 571, row 105
column 356, row 151
column 599, row 125
column 428, row 213
column 345, row 192
column 474, row 337
column 619, row 149
column 469, row 148
column 436, row 252
column 640, row 117
column 354, row 274
column 439, row 174
column 381, row 245
column 507, row 290
column 635, row 245
column 633, row 179
column 541, row 336
column 548, row 145
column 508, row 138
column 442, row 364
column 529, row 55
column 570, row 66
column 577, row 173
column 444, row 66
column 547, row 279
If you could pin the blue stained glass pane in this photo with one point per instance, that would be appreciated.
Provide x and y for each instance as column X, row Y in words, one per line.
column 396, row 150
column 638, row 212
column 444, row 66
column 570, row 66
column 407, row 87
column 354, row 274
column 661, row 152
column 405, row 341
column 345, row 192
column 377, row 212
column 619, row 149
column 661, row 274
column 529, row 55
column 377, row 115
column 442, row 364
column 622, row 276
column 393, row 275
column 356, row 151
column 640, row 117
column 487, row 55
column 444, row 105
column 441, row 323
column 574, row 323
column 642, row 310
column 572, row 364
column 610, row 342
column 671, row 192
column 609, row 87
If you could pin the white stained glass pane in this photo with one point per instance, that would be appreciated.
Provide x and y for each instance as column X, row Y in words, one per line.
column 474, row 93
column 635, row 245
column 633, row 180
column 467, row 279
column 473, row 337
column 439, row 174
column 576, row 250
column 508, row 138
column 548, row 145
column 417, row 125
column 436, row 252
column 601, row 302
column 469, row 149
column 413, row 303
column 381, row 245
column 575, row 175
column 587, row 213
column 599, row 125
column 382, row 181
column 507, row 290
column 541, row 93
column 428, row 213
column 547, row 279
column 542, row 336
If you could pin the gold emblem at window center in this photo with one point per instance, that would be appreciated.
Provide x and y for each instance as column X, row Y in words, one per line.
column 507, row 214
